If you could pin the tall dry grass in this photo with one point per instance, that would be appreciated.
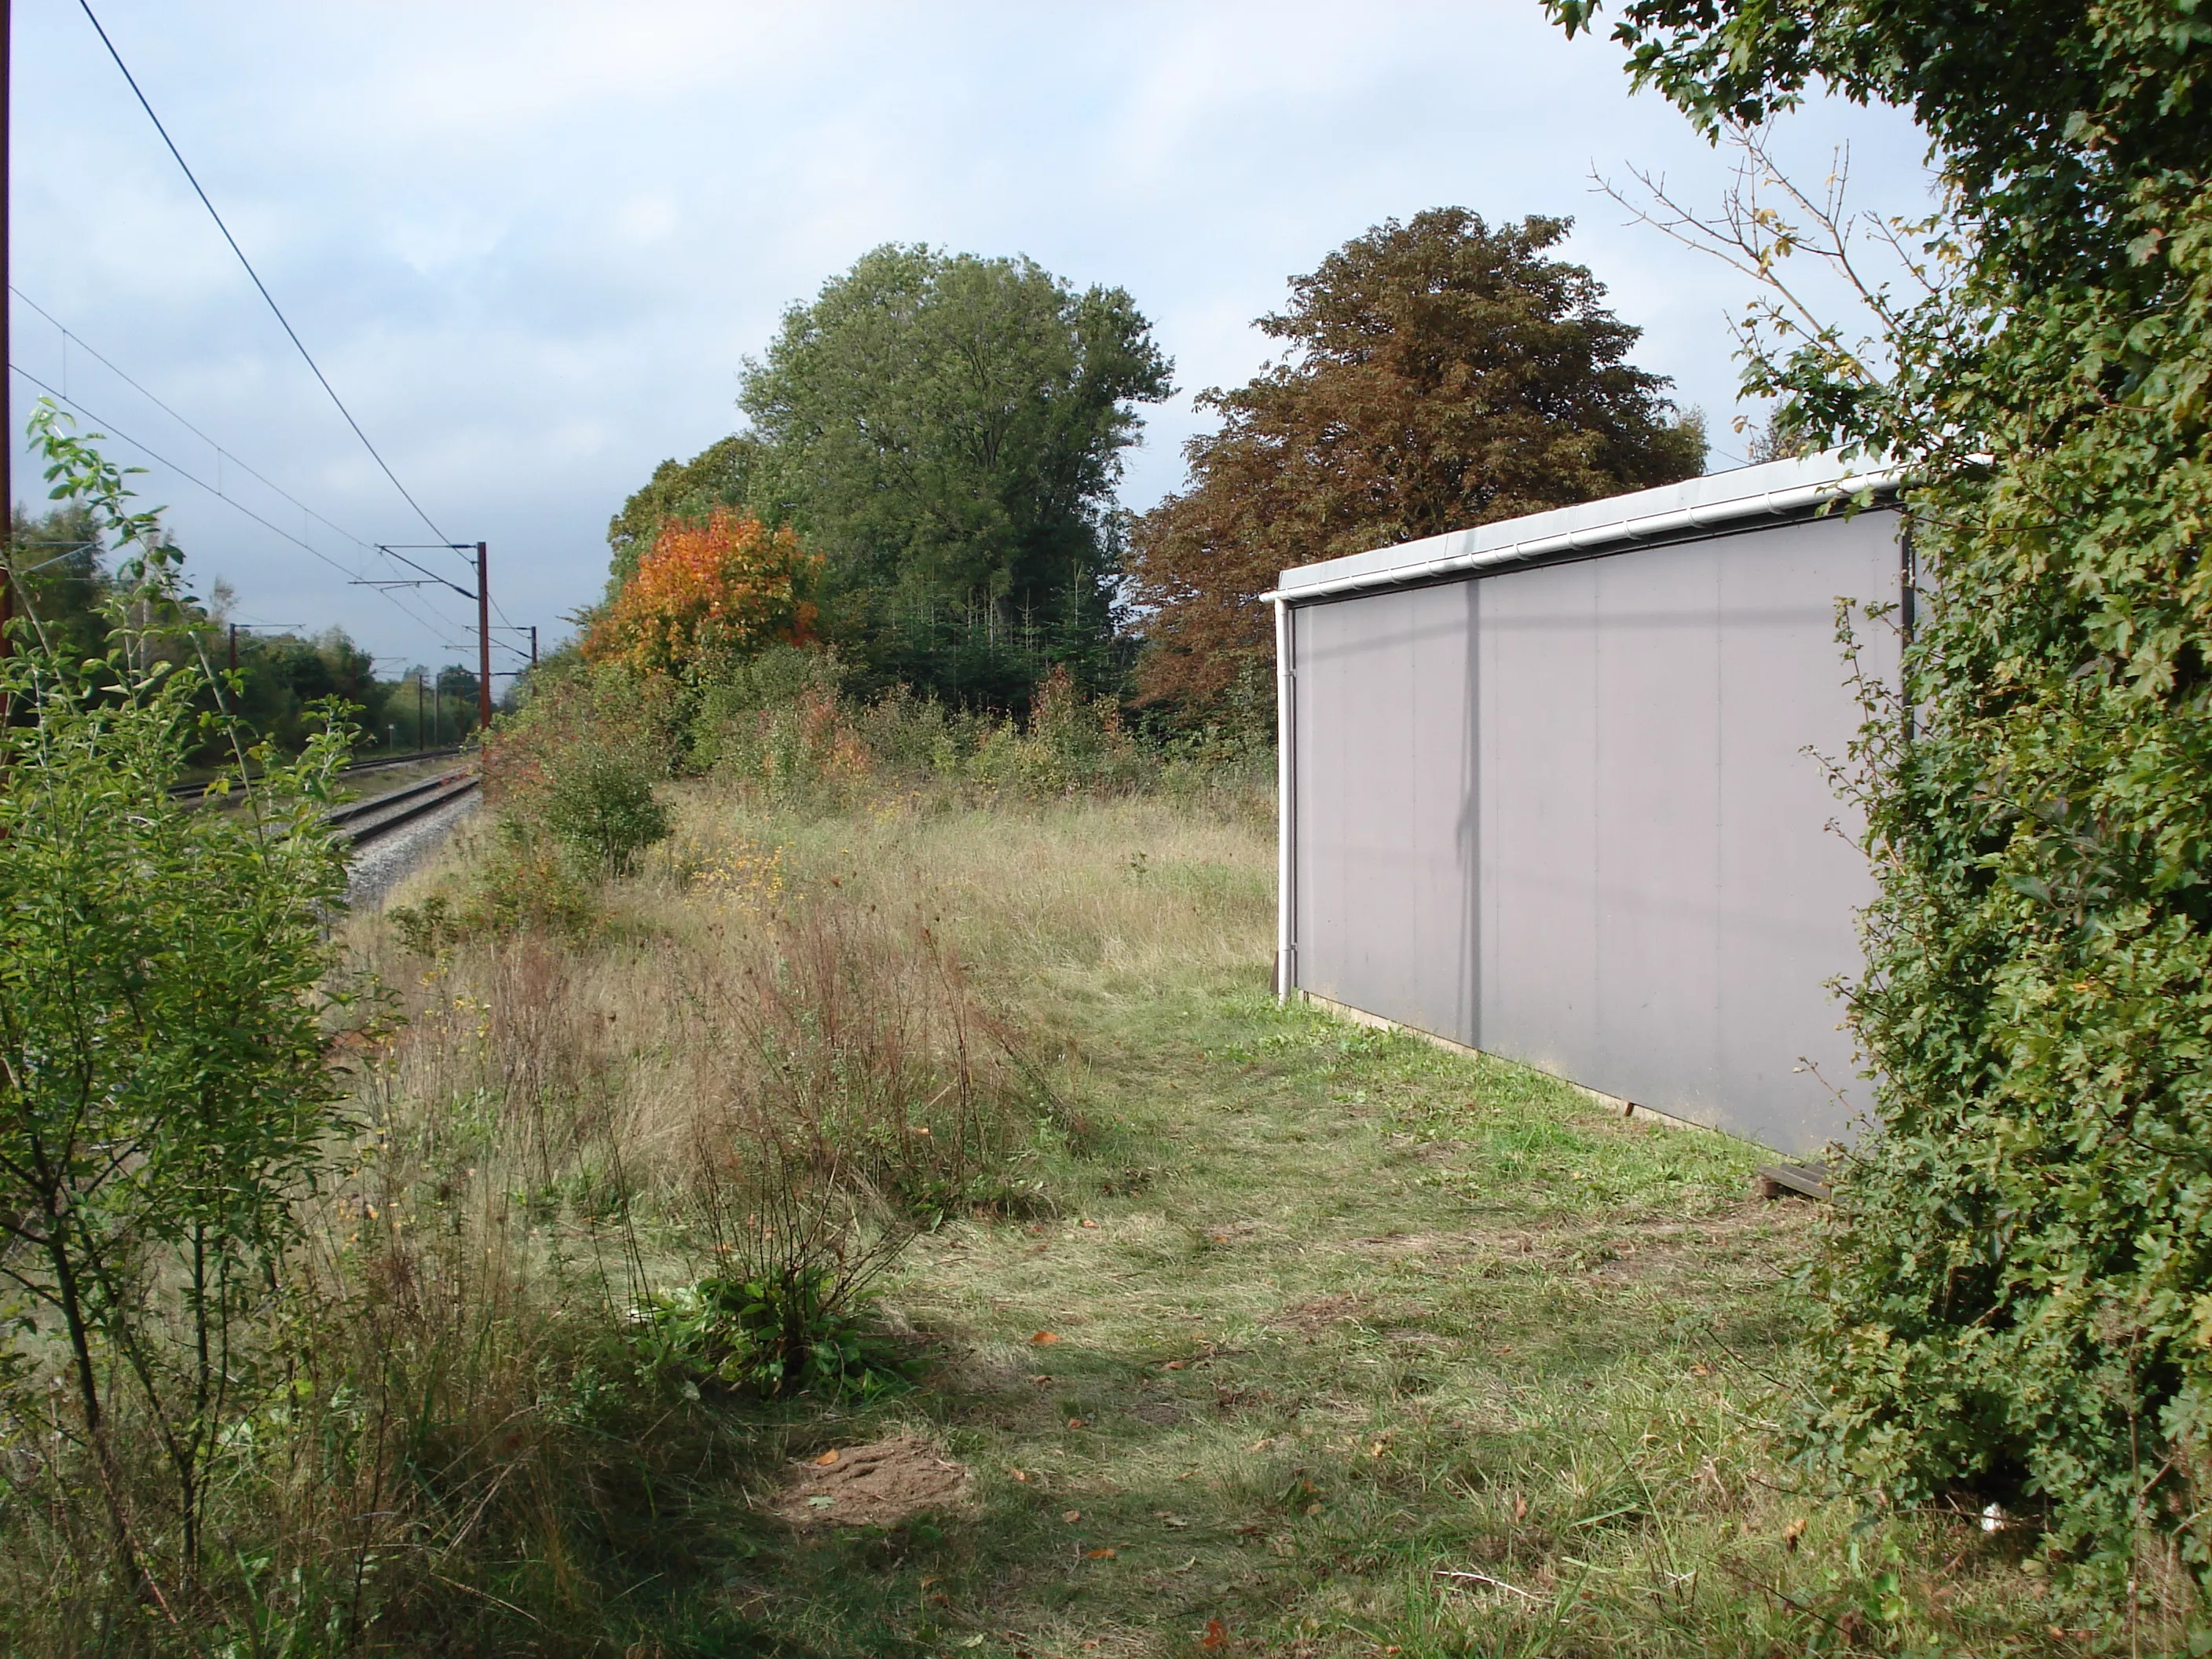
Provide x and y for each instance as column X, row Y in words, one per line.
column 751, row 1067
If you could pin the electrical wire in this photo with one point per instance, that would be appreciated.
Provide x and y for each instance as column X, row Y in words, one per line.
column 213, row 443
column 277, row 311
column 69, row 334
column 221, row 453
column 190, row 477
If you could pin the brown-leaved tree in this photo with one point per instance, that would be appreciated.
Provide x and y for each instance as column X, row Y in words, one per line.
column 1440, row 373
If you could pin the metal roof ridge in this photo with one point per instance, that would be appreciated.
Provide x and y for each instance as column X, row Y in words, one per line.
column 1839, row 482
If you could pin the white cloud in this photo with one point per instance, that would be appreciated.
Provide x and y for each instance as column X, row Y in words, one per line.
column 530, row 243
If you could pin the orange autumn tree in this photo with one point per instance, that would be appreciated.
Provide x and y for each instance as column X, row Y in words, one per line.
column 725, row 587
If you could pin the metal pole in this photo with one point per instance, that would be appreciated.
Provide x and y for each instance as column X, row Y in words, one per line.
column 234, row 647
column 483, row 642
column 420, row 744
column 1286, row 821
column 533, row 645
column 7, row 379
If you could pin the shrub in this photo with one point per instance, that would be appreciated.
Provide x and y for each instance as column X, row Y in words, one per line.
column 164, row 1093
column 770, row 1336
column 602, row 805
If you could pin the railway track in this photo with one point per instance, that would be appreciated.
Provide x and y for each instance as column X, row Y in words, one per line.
column 192, row 791
column 364, row 821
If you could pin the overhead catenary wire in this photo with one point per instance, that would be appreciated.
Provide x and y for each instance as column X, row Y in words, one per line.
column 221, row 451
column 69, row 335
column 263, row 287
column 309, row 547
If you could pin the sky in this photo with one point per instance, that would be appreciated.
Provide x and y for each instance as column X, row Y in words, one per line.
column 532, row 245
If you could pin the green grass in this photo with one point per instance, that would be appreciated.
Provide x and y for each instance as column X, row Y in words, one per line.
column 1357, row 1346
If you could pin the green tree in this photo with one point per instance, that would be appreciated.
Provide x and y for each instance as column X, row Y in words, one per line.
column 284, row 680
column 1439, row 374
column 2018, row 1302
column 948, row 432
column 60, row 589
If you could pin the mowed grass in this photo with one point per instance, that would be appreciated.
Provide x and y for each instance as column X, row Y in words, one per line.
column 1321, row 1340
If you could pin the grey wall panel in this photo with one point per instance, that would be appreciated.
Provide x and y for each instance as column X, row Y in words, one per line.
column 1791, row 876
column 1538, row 920
column 1385, row 858
column 1656, row 650
column 1566, row 814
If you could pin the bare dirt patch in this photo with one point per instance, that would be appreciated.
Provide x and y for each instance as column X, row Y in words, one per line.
column 878, row 1484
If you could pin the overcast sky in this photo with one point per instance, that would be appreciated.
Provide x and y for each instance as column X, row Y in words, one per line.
column 532, row 243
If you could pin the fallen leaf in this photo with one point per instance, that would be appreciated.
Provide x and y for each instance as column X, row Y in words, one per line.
column 1313, row 1508
column 1378, row 1449
column 1700, row 1370
column 827, row 1458
column 1019, row 1474
column 1074, row 1422
column 1216, row 1635
column 1039, row 1379
column 1792, row 1533
column 820, row 1503
column 1072, row 1516
column 1100, row 1555
column 1520, row 1508
column 1176, row 1365
column 1044, row 1338
column 1260, row 1445
column 1089, row 1224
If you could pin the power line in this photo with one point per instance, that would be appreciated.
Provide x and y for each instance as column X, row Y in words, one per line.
column 221, row 453
column 69, row 334
column 276, row 310
column 188, row 476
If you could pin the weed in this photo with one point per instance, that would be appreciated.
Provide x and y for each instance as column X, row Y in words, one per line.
column 772, row 1336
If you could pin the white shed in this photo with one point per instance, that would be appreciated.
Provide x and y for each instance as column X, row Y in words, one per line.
column 1557, row 789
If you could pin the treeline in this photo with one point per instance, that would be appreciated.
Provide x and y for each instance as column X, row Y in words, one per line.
column 926, row 484
column 64, row 593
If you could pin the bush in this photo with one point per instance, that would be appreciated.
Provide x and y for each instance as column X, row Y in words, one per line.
column 773, row 1337
column 602, row 807
column 165, row 1100
column 797, row 739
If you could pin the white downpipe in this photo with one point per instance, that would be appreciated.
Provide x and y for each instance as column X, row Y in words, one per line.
column 1285, row 945
column 1773, row 503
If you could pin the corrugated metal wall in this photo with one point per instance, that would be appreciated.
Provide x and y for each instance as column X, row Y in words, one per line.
column 1566, row 814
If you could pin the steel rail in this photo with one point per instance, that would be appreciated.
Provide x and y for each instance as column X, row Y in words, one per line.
column 410, row 811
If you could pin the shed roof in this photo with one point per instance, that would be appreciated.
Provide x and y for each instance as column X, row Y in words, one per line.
column 1738, row 500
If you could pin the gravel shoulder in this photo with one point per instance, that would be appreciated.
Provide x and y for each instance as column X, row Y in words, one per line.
column 379, row 867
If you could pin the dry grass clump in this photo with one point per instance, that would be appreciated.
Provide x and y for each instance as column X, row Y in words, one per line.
column 605, row 1188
